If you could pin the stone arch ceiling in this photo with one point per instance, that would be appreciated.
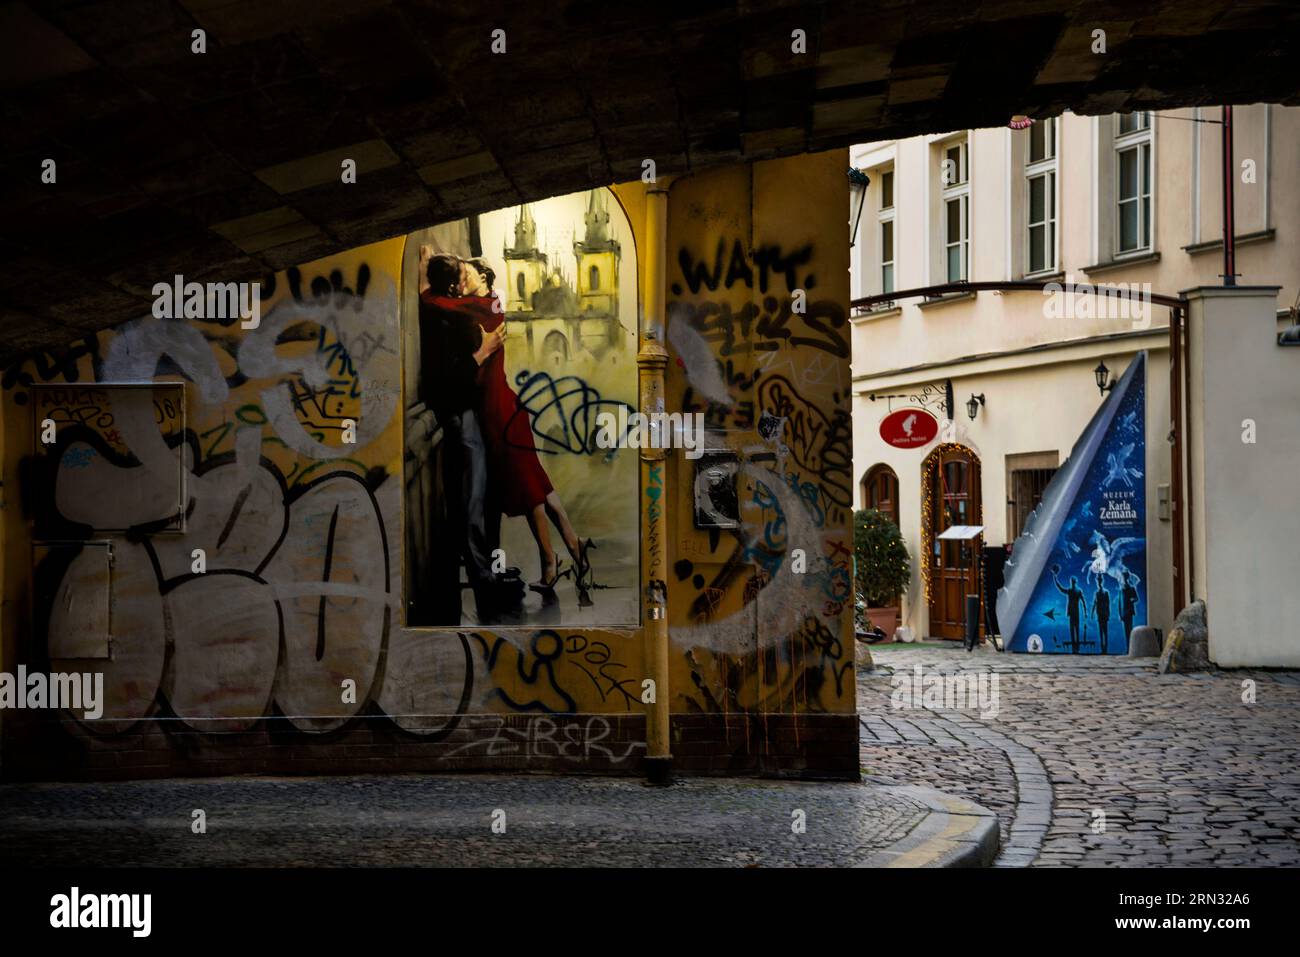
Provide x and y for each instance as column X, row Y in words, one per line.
column 226, row 165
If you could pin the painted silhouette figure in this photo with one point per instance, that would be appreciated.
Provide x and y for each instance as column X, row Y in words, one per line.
column 1101, row 611
column 1129, row 603
column 1076, row 608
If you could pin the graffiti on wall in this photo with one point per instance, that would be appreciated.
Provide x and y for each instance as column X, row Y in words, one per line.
column 246, row 481
column 274, row 582
column 762, row 353
column 298, row 460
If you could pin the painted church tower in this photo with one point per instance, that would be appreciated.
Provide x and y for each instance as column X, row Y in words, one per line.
column 525, row 264
column 597, row 256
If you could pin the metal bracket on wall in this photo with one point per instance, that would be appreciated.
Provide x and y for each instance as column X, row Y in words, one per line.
column 930, row 392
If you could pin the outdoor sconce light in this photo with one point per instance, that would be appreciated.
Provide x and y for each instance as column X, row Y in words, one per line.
column 858, row 183
column 1104, row 384
column 973, row 404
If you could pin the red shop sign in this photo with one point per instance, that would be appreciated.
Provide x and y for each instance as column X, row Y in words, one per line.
column 909, row 428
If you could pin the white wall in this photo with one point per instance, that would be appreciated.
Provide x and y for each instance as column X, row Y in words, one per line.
column 1040, row 400
column 1031, row 405
column 1245, row 505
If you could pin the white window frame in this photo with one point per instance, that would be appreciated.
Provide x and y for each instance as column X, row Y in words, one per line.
column 1123, row 143
column 1047, row 168
column 886, row 214
column 959, row 192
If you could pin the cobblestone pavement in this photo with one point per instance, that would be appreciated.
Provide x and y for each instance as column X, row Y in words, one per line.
column 1184, row 771
column 446, row 820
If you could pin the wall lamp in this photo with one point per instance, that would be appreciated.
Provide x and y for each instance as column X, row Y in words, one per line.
column 858, row 182
column 973, row 404
column 1104, row 384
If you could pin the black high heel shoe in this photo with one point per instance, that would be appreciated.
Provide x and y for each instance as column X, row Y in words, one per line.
column 584, row 579
column 547, row 588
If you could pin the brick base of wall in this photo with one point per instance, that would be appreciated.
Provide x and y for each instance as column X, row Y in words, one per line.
column 809, row 745
column 781, row 745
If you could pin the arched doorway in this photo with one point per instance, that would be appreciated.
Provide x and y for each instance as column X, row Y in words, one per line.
column 880, row 491
column 950, row 485
column 555, row 350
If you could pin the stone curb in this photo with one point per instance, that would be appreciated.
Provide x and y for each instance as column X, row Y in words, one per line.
column 956, row 833
column 441, row 820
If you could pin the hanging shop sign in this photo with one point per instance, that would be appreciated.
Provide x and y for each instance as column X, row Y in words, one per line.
column 909, row 428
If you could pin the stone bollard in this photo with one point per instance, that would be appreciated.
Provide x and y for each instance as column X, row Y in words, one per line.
column 1144, row 642
column 864, row 659
column 1188, row 646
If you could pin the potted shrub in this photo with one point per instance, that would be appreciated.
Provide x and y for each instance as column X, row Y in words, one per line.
column 882, row 569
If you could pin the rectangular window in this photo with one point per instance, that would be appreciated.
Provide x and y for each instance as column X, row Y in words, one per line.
column 954, row 245
column 885, row 220
column 956, row 237
column 887, row 255
column 1042, row 141
column 1027, row 488
column 1133, row 182
column 1040, row 178
column 955, row 172
column 1134, row 123
column 954, row 175
column 1042, row 222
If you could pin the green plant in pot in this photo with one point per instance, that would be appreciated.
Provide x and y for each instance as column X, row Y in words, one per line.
column 882, row 569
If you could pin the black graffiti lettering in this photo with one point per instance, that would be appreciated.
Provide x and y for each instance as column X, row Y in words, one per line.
column 820, row 445
column 697, row 274
column 56, row 364
column 769, row 260
column 739, row 379
column 819, row 313
column 738, row 269
column 771, row 326
column 322, row 287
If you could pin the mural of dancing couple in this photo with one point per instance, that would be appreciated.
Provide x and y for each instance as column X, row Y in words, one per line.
column 520, row 329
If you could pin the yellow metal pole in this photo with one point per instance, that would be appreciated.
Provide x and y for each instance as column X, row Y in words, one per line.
column 652, row 358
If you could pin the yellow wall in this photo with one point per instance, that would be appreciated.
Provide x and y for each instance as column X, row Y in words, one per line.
column 276, row 496
column 749, row 631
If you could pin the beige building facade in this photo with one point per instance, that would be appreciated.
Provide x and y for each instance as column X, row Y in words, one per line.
column 1130, row 201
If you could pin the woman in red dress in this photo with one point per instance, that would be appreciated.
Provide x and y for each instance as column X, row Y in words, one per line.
column 526, row 489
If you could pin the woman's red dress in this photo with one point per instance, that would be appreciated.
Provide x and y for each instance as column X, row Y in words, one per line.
column 507, row 427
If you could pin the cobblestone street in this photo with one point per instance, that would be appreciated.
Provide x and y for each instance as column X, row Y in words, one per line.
column 450, row 820
column 1185, row 772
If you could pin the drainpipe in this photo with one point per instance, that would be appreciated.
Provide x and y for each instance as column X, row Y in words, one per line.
column 1229, row 215
column 651, row 360
column 1179, row 513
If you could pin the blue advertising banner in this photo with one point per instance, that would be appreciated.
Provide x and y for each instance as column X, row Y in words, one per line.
column 1076, row 579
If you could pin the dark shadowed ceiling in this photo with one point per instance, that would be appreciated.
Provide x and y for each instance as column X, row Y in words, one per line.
column 226, row 165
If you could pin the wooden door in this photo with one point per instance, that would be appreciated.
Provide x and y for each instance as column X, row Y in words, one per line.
column 954, row 566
